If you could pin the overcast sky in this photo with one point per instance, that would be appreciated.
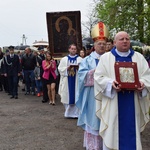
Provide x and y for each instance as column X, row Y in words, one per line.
column 18, row 17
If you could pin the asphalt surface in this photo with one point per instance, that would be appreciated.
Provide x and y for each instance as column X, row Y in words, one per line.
column 28, row 124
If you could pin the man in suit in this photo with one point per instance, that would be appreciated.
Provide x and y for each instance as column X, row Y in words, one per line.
column 12, row 71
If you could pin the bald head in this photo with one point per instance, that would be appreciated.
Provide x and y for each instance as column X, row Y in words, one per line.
column 120, row 34
column 122, row 41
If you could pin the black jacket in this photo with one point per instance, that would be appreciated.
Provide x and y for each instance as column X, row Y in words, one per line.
column 11, row 65
column 40, row 58
column 28, row 62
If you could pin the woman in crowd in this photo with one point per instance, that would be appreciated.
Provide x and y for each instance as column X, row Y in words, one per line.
column 82, row 53
column 49, row 75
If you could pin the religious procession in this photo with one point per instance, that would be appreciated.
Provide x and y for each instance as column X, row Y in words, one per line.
column 90, row 86
column 104, row 86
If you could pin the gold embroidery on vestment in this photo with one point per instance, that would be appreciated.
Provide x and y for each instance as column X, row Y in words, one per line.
column 72, row 72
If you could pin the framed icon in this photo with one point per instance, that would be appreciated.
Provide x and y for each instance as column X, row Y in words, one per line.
column 127, row 75
column 74, row 66
column 64, row 28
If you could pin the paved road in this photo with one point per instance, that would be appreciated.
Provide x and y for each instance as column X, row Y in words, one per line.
column 28, row 124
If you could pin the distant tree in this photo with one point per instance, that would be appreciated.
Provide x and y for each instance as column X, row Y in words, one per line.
column 147, row 22
column 91, row 20
column 128, row 15
column 88, row 25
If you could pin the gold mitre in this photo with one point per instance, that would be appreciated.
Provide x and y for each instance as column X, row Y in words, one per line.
column 99, row 32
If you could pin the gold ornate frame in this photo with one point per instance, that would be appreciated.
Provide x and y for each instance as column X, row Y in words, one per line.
column 127, row 75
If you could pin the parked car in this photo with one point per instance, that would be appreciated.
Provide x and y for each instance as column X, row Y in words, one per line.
column 137, row 43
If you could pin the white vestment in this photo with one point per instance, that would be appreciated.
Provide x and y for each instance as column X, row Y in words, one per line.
column 107, row 107
column 71, row 110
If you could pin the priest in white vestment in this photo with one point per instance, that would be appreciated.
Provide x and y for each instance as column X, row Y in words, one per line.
column 68, row 68
column 123, row 113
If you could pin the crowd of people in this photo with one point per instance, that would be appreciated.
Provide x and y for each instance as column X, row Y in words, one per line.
column 111, row 117
column 36, row 70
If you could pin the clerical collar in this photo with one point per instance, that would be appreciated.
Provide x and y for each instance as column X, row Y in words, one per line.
column 97, row 55
column 72, row 56
column 123, row 54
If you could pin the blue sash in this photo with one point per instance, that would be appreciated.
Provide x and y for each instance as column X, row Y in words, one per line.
column 96, row 60
column 126, row 112
column 72, row 80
